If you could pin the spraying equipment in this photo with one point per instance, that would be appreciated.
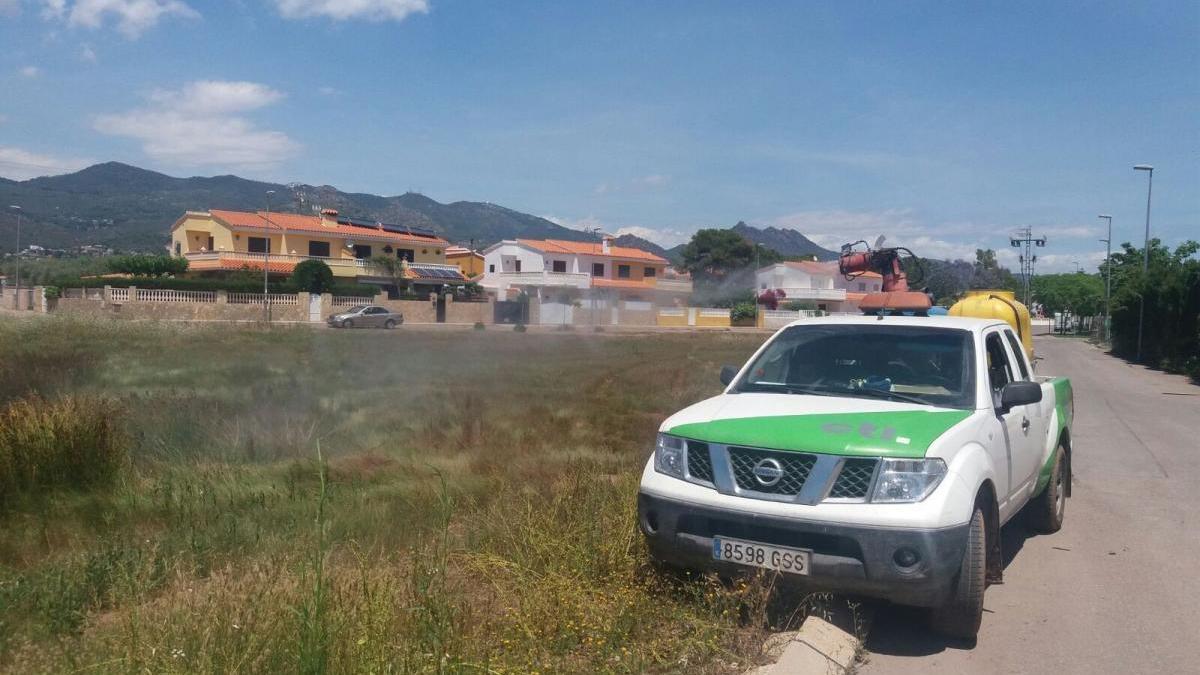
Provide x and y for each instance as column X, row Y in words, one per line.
column 894, row 296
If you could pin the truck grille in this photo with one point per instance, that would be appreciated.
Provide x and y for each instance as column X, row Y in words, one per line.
column 855, row 479
column 795, row 466
column 699, row 463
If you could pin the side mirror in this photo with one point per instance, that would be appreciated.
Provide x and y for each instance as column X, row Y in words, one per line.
column 728, row 373
column 1019, row 393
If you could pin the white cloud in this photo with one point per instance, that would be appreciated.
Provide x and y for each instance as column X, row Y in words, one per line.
column 665, row 237
column 18, row 164
column 201, row 124
column 654, row 180
column 86, row 53
column 132, row 17
column 328, row 91
column 342, row 10
column 30, row 72
column 10, row 7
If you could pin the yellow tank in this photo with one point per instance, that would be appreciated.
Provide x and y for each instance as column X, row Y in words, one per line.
column 991, row 304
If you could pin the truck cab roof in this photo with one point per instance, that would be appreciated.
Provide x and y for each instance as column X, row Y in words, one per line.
column 961, row 323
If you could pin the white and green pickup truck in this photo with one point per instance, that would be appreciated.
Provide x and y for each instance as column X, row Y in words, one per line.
column 875, row 456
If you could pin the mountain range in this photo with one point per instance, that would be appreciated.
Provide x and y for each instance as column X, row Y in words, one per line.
column 130, row 209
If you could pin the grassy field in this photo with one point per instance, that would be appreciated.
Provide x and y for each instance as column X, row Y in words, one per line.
column 360, row 501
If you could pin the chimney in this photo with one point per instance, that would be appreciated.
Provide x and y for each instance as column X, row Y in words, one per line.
column 329, row 217
column 606, row 244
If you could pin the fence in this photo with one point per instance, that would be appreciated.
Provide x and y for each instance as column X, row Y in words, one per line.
column 118, row 294
column 166, row 295
column 348, row 300
column 778, row 318
column 257, row 298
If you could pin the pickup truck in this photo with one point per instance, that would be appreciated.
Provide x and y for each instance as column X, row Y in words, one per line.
column 876, row 456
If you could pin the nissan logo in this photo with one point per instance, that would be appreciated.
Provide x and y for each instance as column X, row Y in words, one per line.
column 767, row 472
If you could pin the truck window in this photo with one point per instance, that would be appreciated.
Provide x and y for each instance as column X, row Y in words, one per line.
column 1018, row 351
column 999, row 371
column 934, row 366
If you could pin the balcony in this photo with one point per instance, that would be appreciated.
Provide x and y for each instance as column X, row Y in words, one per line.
column 674, row 285
column 541, row 278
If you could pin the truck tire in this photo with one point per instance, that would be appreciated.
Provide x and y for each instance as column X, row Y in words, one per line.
column 1046, row 511
column 961, row 615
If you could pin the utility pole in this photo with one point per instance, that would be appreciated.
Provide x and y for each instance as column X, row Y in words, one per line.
column 1145, row 258
column 1024, row 238
column 17, row 288
column 267, row 263
column 1107, row 273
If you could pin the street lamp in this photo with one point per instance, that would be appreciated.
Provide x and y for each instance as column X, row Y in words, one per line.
column 1145, row 255
column 17, row 289
column 1107, row 270
column 267, row 262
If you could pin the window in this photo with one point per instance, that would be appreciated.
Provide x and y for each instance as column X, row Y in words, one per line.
column 1018, row 351
column 999, row 370
column 406, row 254
column 318, row 249
column 210, row 243
column 623, row 271
column 649, row 272
column 560, row 266
column 362, row 251
column 258, row 244
column 597, row 269
column 862, row 285
column 178, row 248
column 517, row 265
column 933, row 366
column 491, row 268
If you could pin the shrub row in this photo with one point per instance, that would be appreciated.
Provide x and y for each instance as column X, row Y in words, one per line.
column 73, row 441
column 231, row 285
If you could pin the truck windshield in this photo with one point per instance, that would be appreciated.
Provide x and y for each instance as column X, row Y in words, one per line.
column 931, row 366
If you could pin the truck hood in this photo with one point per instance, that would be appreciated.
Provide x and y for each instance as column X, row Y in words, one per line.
column 822, row 424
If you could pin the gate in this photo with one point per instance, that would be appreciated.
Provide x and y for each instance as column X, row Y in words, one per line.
column 314, row 307
column 508, row 311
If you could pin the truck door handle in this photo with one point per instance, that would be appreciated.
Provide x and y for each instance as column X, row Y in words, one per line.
column 1024, row 424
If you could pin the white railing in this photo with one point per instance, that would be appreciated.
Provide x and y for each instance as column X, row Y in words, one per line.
column 638, row 305
column 673, row 312
column 795, row 293
column 118, row 295
column 677, row 285
column 539, row 278
column 246, row 257
column 257, row 298
column 167, row 295
column 348, row 300
column 712, row 312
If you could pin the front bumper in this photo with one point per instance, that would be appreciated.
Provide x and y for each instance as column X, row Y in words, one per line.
column 850, row 559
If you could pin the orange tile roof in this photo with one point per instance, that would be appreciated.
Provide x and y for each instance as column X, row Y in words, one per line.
column 456, row 251
column 293, row 222
column 590, row 248
column 825, row 268
column 622, row 283
column 223, row 264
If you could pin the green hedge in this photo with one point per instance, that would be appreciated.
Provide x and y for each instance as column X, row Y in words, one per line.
column 230, row 285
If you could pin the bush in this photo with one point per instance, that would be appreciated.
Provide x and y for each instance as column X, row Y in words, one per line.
column 479, row 326
column 142, row 265
column 313, row 276
column 73, row 441
column 799, row 305
column 742, row 312
column 52, row 292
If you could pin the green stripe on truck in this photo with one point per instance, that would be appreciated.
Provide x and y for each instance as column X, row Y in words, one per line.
column 1064, row 407
column 905, row 434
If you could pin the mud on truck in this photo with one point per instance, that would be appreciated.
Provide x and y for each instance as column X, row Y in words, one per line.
column 876, row 456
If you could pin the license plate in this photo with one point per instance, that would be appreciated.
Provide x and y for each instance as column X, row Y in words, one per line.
column 790, row 560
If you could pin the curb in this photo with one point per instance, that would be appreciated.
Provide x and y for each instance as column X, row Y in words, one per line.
column 818, row 647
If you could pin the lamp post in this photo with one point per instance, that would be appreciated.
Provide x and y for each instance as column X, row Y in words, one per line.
column 1145, row 256
column 1107, row 270
column 267, row 262
column 17, row 288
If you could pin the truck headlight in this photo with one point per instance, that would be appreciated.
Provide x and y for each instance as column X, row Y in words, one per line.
column 907, row 480
column 669, row 455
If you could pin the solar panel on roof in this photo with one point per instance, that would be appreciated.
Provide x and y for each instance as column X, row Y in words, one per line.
column 389, row 227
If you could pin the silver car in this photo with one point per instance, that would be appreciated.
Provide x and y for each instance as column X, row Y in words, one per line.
column 366, row 316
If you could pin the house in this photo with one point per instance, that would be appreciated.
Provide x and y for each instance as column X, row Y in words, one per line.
column 468, row 261
column 593, row 274
column 819, row 283
column 217, row 241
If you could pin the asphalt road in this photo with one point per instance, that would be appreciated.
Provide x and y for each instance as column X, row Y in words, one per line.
column 1117, row 589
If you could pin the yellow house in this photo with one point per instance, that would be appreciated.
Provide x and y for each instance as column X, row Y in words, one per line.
column 218, row 240
column 469, row 262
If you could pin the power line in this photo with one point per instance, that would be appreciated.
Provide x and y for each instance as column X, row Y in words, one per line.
column 1024, row 238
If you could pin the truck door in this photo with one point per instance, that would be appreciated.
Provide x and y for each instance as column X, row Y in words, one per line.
column 1012, row 443
column 1034, row 419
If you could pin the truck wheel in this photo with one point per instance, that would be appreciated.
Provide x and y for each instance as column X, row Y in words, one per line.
column 961, row 615
column 389, row 324
column 1047, row 509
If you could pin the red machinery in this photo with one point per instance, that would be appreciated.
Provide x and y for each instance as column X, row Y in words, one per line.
column 895, row 296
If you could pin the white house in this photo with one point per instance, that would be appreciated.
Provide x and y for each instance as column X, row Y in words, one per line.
column 819, row 283
column 581, row 273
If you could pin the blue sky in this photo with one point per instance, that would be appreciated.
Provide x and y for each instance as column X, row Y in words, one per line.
column 943, row 124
